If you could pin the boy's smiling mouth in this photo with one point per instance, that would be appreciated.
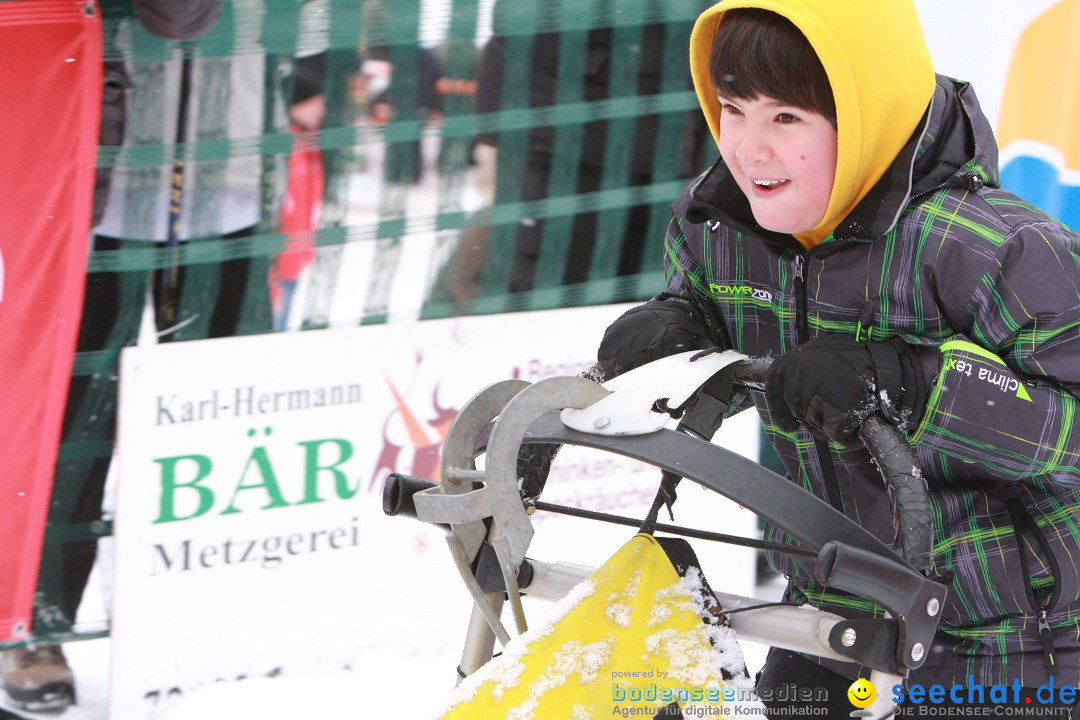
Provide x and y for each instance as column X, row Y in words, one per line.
column 763, row 187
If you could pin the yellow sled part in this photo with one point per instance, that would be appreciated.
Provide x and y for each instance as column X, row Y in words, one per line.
column 627, row 642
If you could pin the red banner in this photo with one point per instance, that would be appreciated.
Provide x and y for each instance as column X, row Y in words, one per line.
column 50, row 95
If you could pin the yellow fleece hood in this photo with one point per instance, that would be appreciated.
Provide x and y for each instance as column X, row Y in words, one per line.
column 882, row 78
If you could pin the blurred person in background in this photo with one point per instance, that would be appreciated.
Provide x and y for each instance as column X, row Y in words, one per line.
column 595, row 77
column 304, row 189
column 388, row 101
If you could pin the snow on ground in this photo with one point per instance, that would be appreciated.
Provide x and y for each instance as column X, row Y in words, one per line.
column 413, row 678
column 415, row 682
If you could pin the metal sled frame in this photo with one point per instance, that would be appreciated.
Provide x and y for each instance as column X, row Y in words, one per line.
column 485, row 507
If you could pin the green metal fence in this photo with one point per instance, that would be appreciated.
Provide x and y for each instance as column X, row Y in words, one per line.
column 596, row 129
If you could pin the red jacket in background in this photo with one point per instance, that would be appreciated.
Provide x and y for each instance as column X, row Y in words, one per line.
column 300, row 210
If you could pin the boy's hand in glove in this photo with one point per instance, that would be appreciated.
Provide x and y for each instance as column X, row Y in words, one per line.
column 654, row 330
column 832, row 383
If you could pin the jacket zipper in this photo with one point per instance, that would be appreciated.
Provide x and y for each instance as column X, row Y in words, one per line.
column 802, row 323
column 1022, row 519
column 802, row 328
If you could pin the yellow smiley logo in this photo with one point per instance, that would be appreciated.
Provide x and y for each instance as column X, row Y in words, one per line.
column 861, row 693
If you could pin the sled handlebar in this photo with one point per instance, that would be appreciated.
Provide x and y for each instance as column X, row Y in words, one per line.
column 627, row 416
column 895, row 459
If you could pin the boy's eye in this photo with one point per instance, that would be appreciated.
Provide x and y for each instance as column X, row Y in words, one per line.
column 787, row 118
column 729, row 108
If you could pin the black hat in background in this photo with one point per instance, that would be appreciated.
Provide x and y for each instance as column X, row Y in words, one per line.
column 308, row 75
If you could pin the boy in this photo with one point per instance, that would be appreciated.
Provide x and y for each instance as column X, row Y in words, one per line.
column 853, row 226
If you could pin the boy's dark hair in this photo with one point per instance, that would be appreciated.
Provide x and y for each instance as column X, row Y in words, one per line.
column 757, row 52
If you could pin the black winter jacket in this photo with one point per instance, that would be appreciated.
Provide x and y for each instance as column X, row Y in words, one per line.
column 987, row 288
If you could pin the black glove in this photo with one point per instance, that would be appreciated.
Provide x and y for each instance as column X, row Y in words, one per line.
column 655, row 330
column 832, row 383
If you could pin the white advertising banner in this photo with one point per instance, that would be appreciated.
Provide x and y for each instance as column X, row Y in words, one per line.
column 250, row 538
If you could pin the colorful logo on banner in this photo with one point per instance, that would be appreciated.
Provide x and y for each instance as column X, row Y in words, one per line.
column 1038, row 132
column 416, row 426
column 412, row 438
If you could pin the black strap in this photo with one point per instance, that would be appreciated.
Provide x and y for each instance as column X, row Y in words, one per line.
column 665, row 496
column 701, row 416
column 705, row 410
column 890, row 378
column 828, row 473
column 169, row 300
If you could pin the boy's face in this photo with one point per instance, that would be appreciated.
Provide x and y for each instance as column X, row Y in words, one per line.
column 783, row 159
